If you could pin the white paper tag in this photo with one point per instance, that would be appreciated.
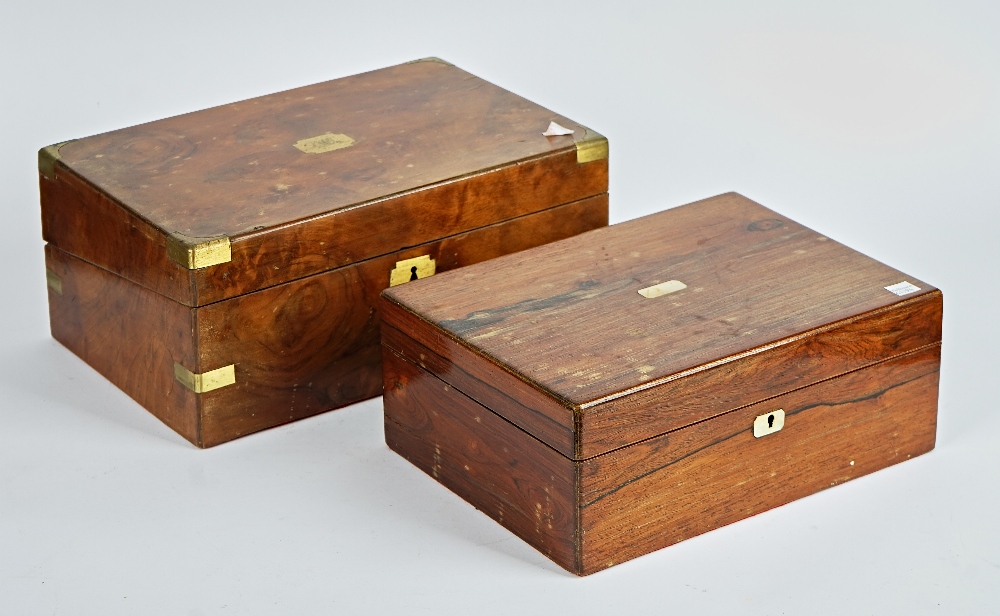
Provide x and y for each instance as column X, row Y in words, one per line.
column 902, row 288
column 555, row 130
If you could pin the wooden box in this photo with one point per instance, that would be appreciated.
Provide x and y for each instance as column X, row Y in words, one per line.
column 617, row 392
column 223, row 267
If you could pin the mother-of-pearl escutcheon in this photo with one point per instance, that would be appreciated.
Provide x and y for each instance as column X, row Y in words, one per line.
column 663, row 288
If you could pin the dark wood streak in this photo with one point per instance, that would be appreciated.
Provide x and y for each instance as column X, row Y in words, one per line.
column 745, row 290
column 587, row 289
column 814, row 451
column 722, row 439
column 810, row 357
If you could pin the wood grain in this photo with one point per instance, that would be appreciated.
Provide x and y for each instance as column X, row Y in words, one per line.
column 658, row 492
column 584, row 433
column 769, row 304
column 82, row 221
column 131, row 335
column 811, row 357
column 690, row 481
column 313, row 344
column 299, row 349
column 438, row 152
column 268, row 258
column 516, row 401
column 652, row 400
column 212, row 172
column 499, row 469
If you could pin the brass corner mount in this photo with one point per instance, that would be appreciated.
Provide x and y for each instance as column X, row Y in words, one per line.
column 592, row 146
column 198, row 252
column 207, row 381
column 47, row 158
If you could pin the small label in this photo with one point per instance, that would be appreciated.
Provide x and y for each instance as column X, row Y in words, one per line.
column 663, row 288
column 555, row 130
column 902, row 288
column 327, row 142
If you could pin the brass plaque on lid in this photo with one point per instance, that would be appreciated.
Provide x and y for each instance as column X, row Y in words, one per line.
column 326, row 142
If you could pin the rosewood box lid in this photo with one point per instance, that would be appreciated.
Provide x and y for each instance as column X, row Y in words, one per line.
column 623, row 333
column 279, row 187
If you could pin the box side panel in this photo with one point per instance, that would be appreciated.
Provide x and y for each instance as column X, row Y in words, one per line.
column 312, row 345
column 88, row 224
column 128, row 333
column 812, row 357
column 274, row 256
column 505, row 473
column 482, row 380
column 662, row 491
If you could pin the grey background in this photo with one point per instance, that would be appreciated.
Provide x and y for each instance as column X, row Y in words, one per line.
column 873, row 122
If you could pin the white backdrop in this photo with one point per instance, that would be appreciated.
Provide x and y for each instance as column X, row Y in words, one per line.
column 875, row 123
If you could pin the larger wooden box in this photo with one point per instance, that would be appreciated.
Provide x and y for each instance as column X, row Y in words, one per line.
column 620, row 391
column 223, row 267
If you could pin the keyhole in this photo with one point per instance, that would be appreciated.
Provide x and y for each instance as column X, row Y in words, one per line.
column 413, row 273
column 770, row 421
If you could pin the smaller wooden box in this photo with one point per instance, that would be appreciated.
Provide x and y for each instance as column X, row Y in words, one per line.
column 617, row 392
column 223, row 267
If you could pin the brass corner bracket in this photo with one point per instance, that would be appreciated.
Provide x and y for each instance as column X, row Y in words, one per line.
column 198, row 252
column 47, row 158
column 592, row 146
column 53, row 280
column 207, row 381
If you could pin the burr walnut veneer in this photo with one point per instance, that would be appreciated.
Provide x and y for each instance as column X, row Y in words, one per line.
column 223, row 267
column 622, row 390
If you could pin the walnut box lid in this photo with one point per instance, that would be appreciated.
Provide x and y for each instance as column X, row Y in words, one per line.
column 220, row 202
column 620, row 334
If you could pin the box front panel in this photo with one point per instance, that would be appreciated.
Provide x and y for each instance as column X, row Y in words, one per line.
column 835, row 350
column 662, row 491
column 261, row 260
column 313, row 344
